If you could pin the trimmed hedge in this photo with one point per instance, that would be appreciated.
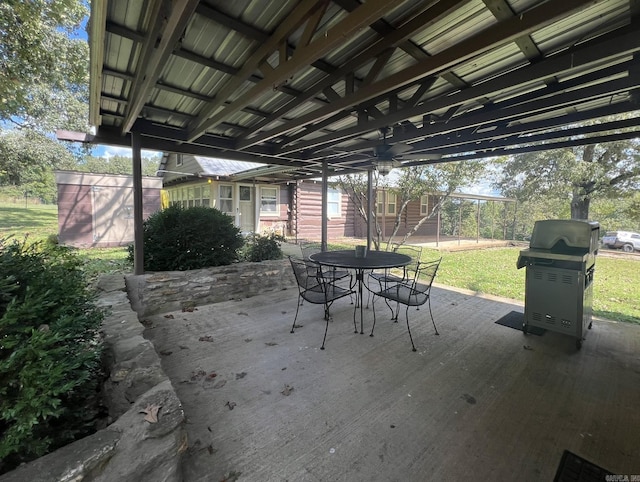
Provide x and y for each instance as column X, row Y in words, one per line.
column 50, row 352
column 177, row 239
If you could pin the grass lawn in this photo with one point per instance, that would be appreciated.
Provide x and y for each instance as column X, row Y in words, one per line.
column 493, row 271
column 489, row 271
column 39, row 222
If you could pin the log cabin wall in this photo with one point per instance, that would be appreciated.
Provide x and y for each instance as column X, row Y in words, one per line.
column 308, row 209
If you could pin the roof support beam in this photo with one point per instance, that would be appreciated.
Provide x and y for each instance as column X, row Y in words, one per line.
column 396, row 37
column 593, row 52
column 361, row 17
column 300, row 15
column 170, row 25
column 500, row 34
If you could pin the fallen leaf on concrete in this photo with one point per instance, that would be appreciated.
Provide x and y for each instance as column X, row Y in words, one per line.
column 243, row 313
column 298, row 326
column 271, row 343
column 208, row 338
column 231, row 405
column 241, row 375
column 170, row 316
column 151, row 413
column 287, row 390
column 211, row 376
column 147, row 323
column 182, row 347
column 197, row 375
column 247, row 340
column 527, row 347
column 220, row 384
column 165, row 352
column 190, row 309
column 231, row 476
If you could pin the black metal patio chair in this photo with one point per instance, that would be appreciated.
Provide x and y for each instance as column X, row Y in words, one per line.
column 414, row 292
column 316, row 288
column 389, row 277
column 332, row 274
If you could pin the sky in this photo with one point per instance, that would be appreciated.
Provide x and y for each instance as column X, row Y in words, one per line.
column 111, row 151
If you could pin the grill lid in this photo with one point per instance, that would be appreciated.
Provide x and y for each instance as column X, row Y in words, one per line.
column 569, row 236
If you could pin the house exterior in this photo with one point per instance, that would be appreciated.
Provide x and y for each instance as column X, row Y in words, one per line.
column 258, row 201
column 96, row 210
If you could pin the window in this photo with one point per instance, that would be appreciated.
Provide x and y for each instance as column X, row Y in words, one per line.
column 190, row 197
column 197, row 193
column 245, row 193
column 424, row 205
column 385, row 198
column 206, row 194
column 391, row 203
column 226, row 198
column 334, row 198
column 269, row 200
column 178, row 160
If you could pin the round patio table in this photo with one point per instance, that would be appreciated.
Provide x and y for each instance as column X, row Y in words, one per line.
column 372, row 260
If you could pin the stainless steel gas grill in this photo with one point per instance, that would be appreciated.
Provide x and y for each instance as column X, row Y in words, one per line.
column 560, row 264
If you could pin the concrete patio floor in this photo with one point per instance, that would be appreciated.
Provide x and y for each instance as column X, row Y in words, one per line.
column 479, row 402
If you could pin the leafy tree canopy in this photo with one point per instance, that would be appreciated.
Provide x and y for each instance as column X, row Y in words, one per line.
column 117, row 165
column 43, row 67
column 575, row 175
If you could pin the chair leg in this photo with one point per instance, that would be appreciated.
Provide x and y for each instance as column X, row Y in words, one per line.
column 373, row 304
column 296, row 317
column 409, row 329
column 432, row 320
column 326, row 328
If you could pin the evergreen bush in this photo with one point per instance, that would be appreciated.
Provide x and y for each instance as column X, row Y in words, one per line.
column 182, row 239
column 50, row 351
column 263, row 247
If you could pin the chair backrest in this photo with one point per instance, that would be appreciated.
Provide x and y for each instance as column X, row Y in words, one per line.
column 415, row 252
column 306, row 273
column 310, row 248
column 425, row 273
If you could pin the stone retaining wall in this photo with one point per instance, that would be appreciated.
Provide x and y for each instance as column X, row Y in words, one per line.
column 156, row 293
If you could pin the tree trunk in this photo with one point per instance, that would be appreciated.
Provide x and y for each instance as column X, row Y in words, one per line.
column 580, row 206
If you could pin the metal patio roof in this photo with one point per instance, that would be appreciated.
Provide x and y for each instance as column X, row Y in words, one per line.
column 297, row 82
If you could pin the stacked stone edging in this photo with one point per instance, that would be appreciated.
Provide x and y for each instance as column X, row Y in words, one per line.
column 155, row 293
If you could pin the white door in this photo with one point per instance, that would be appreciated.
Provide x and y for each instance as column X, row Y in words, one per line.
column 246, row 208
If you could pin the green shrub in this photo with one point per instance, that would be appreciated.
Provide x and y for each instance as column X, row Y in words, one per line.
column 263, row 247
column 50, row 352
column 192, row 238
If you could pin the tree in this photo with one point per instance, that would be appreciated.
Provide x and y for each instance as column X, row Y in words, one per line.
column 27, row 161
column 577, row 175
column 413, row 182
column 117, row 165
column 43, row 65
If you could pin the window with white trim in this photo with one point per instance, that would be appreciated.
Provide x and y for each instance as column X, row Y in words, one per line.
column 334, row 203
column 269, row 200
column 424, row 205
column 206, row 195
column 225, row 194
column 391, row 203
column 380, row 203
